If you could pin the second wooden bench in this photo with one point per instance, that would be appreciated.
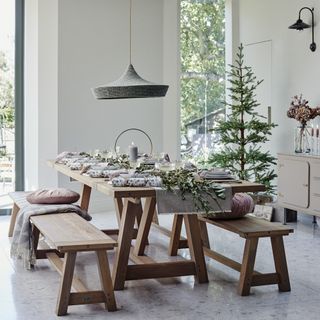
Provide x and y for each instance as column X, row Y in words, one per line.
column 251, row 229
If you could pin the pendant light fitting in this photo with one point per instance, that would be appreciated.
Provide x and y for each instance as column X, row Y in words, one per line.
column 130, row 84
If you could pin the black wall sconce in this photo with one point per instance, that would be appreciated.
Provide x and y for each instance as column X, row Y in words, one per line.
column 300, row 25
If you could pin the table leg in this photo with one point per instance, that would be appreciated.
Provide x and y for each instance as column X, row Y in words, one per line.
column 139, row 217
column 249, row 257
column 124, row 243
column 280, row 262
column 85, row 197
column 195, row 246
column 118, row 203
column 145, row 225
column 204, row 234
column 175, row 234
column 155, row 217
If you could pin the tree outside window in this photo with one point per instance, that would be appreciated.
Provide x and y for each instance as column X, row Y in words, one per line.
column 202, row 74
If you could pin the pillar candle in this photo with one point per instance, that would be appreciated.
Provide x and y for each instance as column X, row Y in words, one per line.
column 133, row 152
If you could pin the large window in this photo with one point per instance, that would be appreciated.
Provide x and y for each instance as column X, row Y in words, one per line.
column 7, row 125
column 11, row 99
column 202, row 74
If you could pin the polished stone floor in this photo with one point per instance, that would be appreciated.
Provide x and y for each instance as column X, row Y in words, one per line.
column 31, row 295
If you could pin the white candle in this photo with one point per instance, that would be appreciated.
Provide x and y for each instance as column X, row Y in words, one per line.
column 133, row 152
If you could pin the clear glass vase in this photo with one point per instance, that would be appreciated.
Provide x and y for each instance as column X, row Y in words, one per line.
column 302, row 139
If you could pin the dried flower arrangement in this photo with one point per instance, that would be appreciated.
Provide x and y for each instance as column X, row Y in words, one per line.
column 300, row 110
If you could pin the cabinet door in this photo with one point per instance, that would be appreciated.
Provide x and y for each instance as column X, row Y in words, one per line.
column 293, row 182
column 315, row 186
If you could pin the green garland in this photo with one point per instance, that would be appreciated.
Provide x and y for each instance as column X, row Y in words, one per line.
column 187, row 183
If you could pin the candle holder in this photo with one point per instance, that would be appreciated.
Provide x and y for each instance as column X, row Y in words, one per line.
column 133, row 129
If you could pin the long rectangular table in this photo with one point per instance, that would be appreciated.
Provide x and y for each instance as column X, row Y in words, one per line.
column 128, row 207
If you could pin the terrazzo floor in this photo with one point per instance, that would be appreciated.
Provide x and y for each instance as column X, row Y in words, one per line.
column 31, row 295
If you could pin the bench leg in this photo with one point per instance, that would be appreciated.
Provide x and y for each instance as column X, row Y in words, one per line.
column 204, row 234
column 280, row 262
column 195, row 246
column 14, row 213
column 35, row 238
column 175, row 234
column 65, row 284
column 105, row 279
column 247, row 267
column 119, row 270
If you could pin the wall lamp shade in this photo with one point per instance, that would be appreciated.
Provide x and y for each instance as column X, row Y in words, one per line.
column 300, row 25
column 130, row 84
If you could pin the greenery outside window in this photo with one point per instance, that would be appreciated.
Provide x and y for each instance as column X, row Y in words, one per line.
column 202, row 43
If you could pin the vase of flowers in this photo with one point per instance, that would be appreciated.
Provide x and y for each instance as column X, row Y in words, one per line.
column 301, row 111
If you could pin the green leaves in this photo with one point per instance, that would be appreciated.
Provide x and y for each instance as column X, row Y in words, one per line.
column 188, row 183
column 202, row 58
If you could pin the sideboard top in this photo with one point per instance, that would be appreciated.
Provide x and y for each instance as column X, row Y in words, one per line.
column 300, row 155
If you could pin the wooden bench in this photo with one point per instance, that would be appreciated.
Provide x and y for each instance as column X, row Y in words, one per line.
column 251, row 229
column 69, row 234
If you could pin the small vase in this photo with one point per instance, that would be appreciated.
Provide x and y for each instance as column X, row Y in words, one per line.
column 302, row 139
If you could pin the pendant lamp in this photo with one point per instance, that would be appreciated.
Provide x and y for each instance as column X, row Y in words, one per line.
column 130, row 84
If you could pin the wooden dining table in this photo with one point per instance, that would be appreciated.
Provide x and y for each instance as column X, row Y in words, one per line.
column 135, row 209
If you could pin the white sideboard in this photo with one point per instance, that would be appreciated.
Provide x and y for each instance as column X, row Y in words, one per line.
column 299, row 183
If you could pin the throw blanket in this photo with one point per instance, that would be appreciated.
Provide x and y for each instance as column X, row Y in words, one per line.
column 22, row 241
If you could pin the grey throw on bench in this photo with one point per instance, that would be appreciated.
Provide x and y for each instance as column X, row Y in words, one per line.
column 22, row 242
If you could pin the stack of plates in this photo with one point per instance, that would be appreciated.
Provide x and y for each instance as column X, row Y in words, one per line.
column 217, row 175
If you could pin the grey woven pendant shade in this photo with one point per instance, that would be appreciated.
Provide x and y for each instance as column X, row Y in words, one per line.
column 130, row 85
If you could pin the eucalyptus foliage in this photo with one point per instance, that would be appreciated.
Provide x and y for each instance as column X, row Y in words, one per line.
column 245, row 131
column 187, row 183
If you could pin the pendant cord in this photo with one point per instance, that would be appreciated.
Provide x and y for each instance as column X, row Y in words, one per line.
column 130, row 30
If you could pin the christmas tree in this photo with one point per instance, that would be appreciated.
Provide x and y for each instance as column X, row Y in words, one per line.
column 244, row 131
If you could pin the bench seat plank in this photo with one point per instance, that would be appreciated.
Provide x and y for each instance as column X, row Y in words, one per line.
column 250, row 227
column 75, row 234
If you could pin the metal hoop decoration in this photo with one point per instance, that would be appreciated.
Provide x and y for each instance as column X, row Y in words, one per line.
column 133, row 129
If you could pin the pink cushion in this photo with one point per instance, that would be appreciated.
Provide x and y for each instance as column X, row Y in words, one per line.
column 53, row 196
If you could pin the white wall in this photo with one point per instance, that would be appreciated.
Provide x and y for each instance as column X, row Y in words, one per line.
column 171, row 74
column 41, row 62
column 295, row 69
column 72, row 46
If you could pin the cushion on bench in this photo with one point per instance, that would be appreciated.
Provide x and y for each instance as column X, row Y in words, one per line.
column 53, row 196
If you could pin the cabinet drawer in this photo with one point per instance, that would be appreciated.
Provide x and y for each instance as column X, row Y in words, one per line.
column 293, row 182
column 315, row 187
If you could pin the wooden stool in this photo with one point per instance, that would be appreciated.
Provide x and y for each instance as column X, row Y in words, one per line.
column 70, row 234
